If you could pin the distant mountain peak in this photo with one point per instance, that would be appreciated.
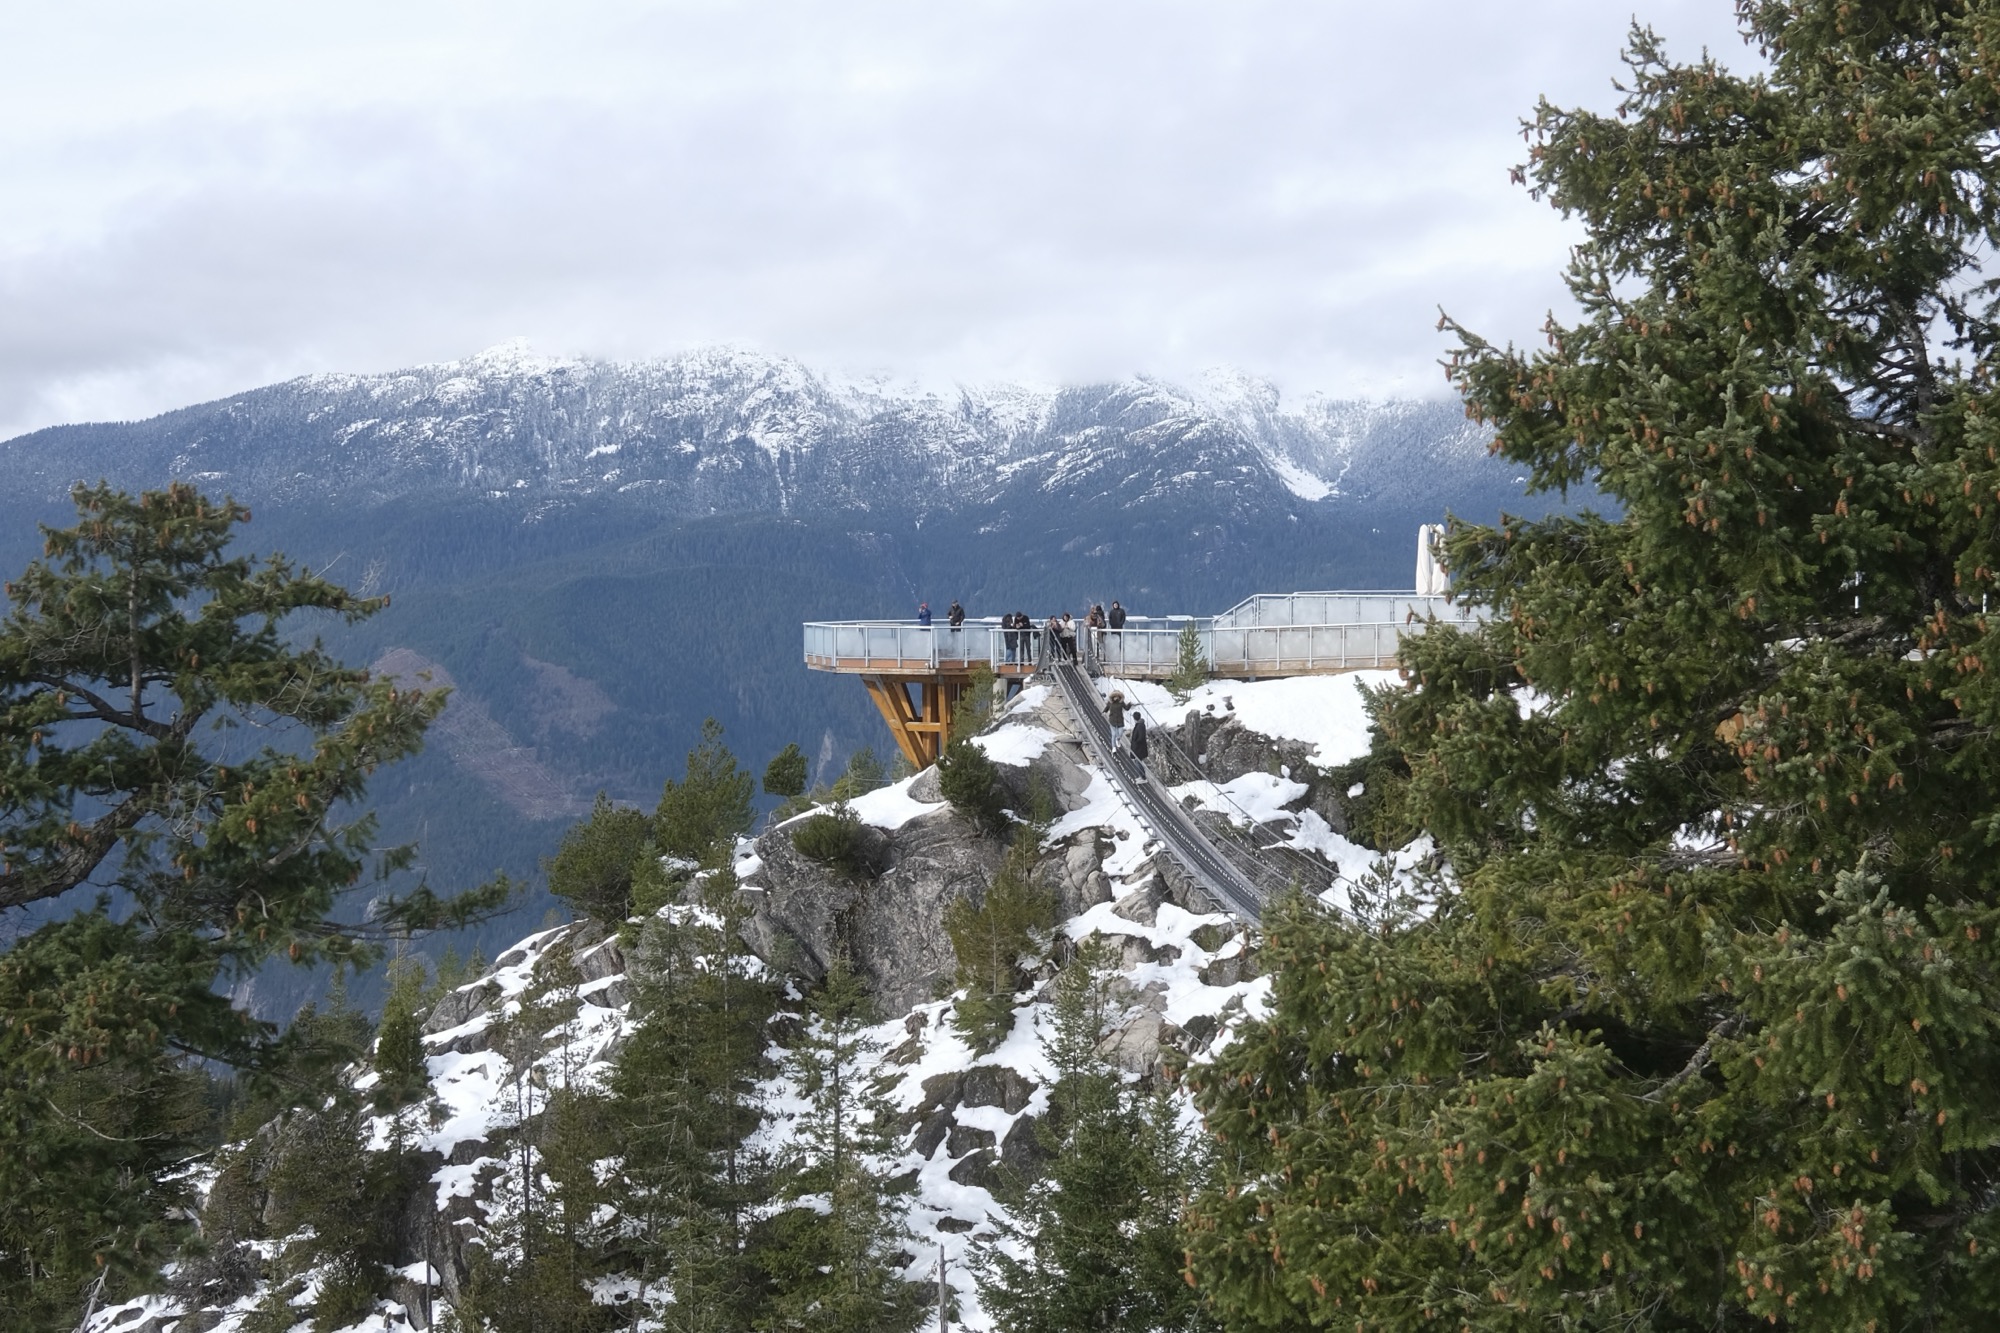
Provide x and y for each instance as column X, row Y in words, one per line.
column 516, row 356
column 726, row 429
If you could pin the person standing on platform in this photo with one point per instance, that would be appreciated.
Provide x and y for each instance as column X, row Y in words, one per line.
column 956, row 615
column 1010, row 637
column 1052, row 640
column 924, row 614
column 1115, row 621
column 1069, row 635
column 1095, row 622
column 1114, row 713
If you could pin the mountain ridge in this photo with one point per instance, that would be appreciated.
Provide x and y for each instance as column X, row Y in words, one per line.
column 722, row 430
column 644, row 538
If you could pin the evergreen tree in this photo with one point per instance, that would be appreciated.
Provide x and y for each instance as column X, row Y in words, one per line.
column 332, row 1206
column 833, row 838
column 1701, row 1031
column 548, row 1236
column 709, row 805
column 971, row 782
column 594, row 867
column 972, row 711
column 1191, row 665
column 139, row 663
column 836, row 1250
column 785, row 775
column 991, row 938
column 684, row 1109
column 862, row 775
column 1095, row 1241
column 403, row 1074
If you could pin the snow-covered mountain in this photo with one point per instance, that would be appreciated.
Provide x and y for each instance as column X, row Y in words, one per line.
column 601, row 554
column 719, row 431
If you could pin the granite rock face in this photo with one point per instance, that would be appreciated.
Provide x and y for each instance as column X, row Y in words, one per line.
column 1215, row 746
column 891, row 926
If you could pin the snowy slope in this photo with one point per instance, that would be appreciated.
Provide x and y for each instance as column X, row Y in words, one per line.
column 1183, row 978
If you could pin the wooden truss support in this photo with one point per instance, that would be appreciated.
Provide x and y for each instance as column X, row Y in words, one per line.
column 918, row 724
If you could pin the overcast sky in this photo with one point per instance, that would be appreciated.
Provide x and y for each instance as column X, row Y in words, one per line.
column 200, row 197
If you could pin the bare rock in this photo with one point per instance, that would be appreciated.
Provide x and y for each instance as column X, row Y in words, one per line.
column 1224, row 971
column 1142, row 905
column 616, row 995
column 459, row 1007
column 932, row 1130
column 976, row 1170
column 891, row 926
column 597, row 953
column 1134, row 1045
column 965, row 1139
column 1023, row 1151
column 1224, row 749
column 996, row 1085
column 1079, row 879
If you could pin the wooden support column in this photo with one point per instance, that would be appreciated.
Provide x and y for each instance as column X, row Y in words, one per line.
column 919, row 725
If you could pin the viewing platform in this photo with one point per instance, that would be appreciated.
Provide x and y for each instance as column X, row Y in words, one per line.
column 1260, row 638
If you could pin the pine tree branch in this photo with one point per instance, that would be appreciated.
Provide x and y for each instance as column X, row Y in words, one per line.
column 1704, row 1056
column 102, row 710
column 54, row 877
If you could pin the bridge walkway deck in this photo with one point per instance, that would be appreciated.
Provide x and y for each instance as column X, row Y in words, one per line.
column 1159, row 814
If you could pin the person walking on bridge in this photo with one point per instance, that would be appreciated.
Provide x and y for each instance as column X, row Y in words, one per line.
column 1114, row 713
column 1139, row 741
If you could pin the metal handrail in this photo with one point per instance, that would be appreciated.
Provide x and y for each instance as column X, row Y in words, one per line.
column 1229, row 649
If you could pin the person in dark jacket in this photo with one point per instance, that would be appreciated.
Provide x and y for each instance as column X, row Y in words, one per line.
column 1052, row 639
column 1011, row 636
column 1139, row 739
column 956, row 615
column 1114, row 620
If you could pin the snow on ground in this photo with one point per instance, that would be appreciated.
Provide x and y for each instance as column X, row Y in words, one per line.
column 1029, row 700
column 1325, row 712
column 892, row 806
column 1177, row 976
column 1253, row 796
column 1016, row 744
column 1102, row 808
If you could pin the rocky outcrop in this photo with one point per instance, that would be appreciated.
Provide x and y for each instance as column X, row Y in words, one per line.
column 890, row 926
column 1213, row 744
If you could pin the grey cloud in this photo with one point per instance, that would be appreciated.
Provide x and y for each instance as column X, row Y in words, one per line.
column 938, row 192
